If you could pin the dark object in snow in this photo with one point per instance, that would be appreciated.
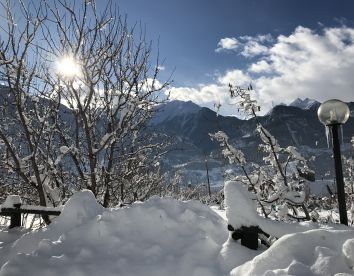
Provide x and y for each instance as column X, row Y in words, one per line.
column 249, row 236
column 16, row 211
column 309, row 175
column 239, row 234
column 329, row 190
column 230, row 227
column 16, row 217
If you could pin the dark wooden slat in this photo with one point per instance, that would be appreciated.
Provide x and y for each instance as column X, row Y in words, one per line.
column 10, row 211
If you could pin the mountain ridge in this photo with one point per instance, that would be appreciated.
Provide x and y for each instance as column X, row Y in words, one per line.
column 291, row 126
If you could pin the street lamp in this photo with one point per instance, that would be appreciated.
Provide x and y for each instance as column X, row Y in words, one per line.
column 332, row 114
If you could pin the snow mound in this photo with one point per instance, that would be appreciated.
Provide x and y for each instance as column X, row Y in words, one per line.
column 157, row 237
column 303, row 248
column 240, row 205
column 241, row 211
column 163, row 236
column 314, row 252
column 80, row 208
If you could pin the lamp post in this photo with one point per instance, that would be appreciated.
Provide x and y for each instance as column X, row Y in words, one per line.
column 332, row 114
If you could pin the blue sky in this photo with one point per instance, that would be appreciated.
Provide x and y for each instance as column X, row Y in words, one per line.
column 287, row 49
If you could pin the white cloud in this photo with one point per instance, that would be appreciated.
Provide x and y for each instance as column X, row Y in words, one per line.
column 253, row 48
column 213, row 94
column 259, row 38
column 306, row 63
column 151, row 84
column 248, row 46
column 261, row 66
column 207, row 95
column 227, row 43
column 234, row 76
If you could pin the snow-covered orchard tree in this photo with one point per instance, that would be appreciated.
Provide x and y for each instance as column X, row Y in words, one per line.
column 81, row 86
column 278, row 183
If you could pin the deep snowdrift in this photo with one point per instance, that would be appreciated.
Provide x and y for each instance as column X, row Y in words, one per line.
column 166, row 237
column 158, row 237
column 314, row 252
column 305, row 248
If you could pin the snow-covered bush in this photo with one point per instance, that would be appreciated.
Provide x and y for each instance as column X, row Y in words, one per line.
column 278, row 183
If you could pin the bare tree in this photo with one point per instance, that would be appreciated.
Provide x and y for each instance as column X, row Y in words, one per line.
column 81, row 88
column 24, row 124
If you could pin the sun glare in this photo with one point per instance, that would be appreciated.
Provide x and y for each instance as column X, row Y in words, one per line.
column 68, row 67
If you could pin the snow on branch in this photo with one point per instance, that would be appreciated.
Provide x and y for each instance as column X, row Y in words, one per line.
column 233, row 154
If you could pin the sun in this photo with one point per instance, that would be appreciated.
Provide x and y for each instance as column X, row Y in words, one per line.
column 68, row 67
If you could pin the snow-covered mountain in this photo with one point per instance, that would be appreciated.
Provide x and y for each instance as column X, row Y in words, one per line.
column 305, row 103
column 295, row 125
column 189, row 126
column 290, row 124
column 170, row 110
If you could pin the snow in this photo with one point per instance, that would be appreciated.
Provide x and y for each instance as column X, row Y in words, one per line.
column 304, row 103
column 172, row 109
column 105, row 138
column 233, row 254
column 164, row 236
column 122, row 116
column 233, row 154
column 157, row 237
column 309, row 249
column 40, row 208
column 64, row 149
column 241, row 211
column 314, row 252
column 10, row 201
column 240, row 205
column 295, row 154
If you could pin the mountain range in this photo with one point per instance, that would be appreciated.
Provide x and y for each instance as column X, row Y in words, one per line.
column 295, row 124
column 189, row 125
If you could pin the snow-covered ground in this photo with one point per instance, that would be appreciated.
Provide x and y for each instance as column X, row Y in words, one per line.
column 163, row 236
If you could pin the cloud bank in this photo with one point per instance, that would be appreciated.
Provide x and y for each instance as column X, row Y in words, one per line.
column 318, row 65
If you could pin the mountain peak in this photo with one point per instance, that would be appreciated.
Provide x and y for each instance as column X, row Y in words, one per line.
column 171, row 109
column 306, row 103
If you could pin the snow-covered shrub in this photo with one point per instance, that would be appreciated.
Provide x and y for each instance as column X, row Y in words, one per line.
column 278, row 183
